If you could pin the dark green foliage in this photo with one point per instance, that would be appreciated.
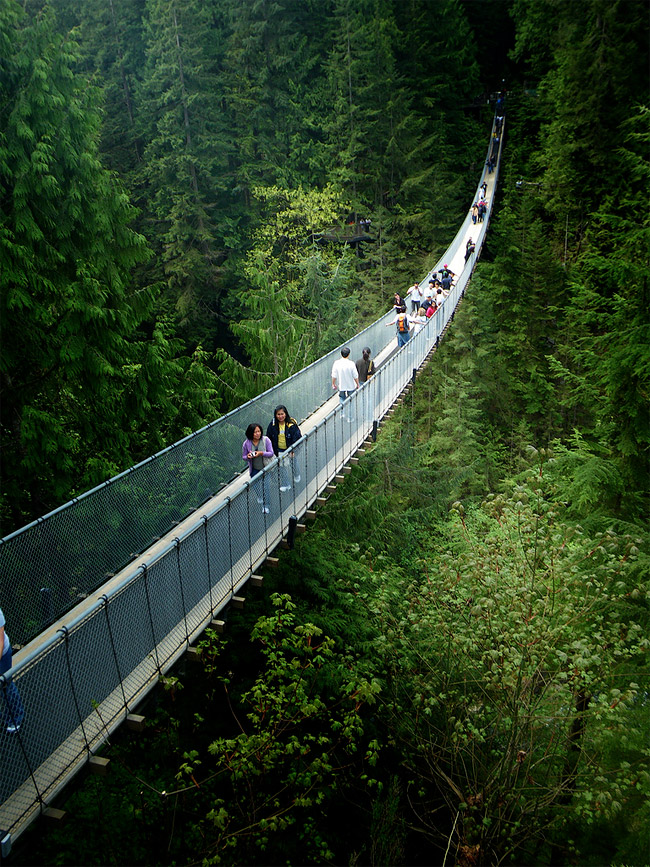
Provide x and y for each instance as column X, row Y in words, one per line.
column 111, row 45
column 505, row 637
column 90, row 382
column 186, row 152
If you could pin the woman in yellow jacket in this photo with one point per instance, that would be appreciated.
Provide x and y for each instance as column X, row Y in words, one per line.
column 283, row 432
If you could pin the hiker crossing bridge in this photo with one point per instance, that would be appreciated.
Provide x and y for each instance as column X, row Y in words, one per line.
column 106, row 593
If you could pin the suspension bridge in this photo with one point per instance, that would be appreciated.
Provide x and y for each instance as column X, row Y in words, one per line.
column 106, row 593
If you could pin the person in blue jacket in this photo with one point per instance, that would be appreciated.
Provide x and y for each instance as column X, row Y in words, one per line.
column 283, row 432
column 12, row 711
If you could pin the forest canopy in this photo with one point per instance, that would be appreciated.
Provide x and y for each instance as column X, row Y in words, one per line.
column 457, row 655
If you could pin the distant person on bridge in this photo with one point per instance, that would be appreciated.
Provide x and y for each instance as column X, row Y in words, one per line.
column 257, row 451
column 365, row 366
column 446, row 278
column 469, row 249
column 404, row 324
column 12, row 711
column 283, row 432
column 398, row 302
column 417, row 297
column 420, row 320
column 345, row 376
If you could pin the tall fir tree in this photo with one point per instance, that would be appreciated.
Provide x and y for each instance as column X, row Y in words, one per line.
column 184, row 175
column 111, row 43
column 81, row 383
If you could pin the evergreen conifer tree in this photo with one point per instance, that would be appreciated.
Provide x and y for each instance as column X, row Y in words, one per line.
column 186, row 153
column 79, row 375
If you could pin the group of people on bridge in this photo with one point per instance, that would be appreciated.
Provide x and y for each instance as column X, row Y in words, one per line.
column 479, row 208
column 283, row 431
column 259, row 449
column 425, row 303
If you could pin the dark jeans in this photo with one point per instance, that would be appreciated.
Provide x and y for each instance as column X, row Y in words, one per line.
column 11, row 709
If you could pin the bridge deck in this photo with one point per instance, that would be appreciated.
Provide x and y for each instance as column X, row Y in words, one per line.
column 82, row 675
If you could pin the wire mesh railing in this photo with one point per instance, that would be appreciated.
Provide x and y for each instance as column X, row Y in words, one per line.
column 79, row 684
column 52, row 563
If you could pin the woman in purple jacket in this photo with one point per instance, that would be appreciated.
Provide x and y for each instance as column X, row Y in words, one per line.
column 257, row 449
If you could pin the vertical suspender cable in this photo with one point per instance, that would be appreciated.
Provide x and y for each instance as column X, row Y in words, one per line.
column 180, row 584
column 104, row 599
column 66, row 639
column 154, row 643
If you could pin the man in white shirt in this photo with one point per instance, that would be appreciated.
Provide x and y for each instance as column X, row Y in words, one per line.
column 345, row 375
column 417, row 297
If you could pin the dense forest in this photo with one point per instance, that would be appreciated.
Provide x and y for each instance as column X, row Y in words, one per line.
column 452, row 664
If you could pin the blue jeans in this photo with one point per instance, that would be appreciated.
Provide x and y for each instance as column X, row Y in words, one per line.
column 11, row 707
column 403, row 338
column 261, row 487
column 343, row 396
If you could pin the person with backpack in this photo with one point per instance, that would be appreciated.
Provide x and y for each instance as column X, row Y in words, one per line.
column 446, row 272
column 404, row 325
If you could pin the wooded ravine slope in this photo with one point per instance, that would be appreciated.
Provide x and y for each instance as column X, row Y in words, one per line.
column 452, row 664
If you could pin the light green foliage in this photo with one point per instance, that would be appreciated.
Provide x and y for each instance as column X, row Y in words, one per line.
column 317, row 278
column 291, row 289
column 301, row 732
column 526, row 649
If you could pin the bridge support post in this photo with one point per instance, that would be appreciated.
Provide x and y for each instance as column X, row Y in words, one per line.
column 99, row 765
column 291, row 534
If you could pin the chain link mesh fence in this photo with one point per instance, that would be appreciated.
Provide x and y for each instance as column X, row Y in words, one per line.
column 79, row 684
